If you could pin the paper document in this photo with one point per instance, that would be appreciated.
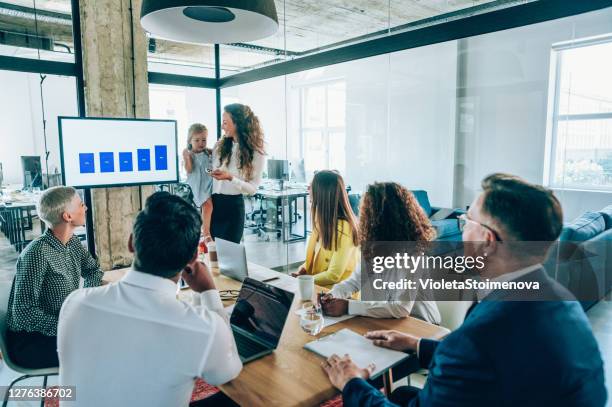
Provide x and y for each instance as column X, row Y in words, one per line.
column 327, row 320
column 362, row 350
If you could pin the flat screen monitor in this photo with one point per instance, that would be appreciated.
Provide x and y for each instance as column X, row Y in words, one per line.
column 32, row 171
column 105, row 152
column 278, row 169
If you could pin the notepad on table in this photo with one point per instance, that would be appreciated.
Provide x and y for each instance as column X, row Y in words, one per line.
column 362, row 350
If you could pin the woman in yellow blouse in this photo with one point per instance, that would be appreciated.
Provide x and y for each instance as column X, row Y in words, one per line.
column 332, row 252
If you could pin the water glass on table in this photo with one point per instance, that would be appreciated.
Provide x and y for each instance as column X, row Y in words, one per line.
column 311, row 321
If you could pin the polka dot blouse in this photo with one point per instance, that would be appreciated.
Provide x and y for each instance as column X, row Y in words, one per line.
column 47, row 272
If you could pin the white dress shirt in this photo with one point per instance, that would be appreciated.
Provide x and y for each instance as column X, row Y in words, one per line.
column 238, row 185
column 421, row 308
column 132, row 343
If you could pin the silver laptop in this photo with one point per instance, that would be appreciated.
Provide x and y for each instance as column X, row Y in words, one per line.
column 258, row 318
column 232, row 259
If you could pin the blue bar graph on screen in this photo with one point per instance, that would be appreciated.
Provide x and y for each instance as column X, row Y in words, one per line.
column 161, row 158
column 107, row 162
column 125, row 162
column 86, row 163
column 144, row 159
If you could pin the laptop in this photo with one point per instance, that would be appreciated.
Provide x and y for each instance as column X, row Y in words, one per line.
column 258, row 318
column 232, row 259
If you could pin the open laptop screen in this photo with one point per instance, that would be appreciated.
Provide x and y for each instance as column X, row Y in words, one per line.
column 262, row 310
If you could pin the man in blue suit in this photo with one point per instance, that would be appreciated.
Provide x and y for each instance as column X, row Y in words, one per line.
column 509, row 351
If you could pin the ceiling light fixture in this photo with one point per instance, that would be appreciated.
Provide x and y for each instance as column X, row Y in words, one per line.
column 209, row 21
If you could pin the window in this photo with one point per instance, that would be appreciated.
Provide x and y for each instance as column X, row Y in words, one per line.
column 323, row 126
column 581, row 142
column 186, row 105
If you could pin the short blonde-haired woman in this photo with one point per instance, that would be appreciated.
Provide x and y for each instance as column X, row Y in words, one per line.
column 48, row 270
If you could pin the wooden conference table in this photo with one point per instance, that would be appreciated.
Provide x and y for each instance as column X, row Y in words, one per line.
column 292, row 375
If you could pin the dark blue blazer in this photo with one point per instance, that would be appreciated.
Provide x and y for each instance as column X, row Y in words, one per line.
column 509, row 353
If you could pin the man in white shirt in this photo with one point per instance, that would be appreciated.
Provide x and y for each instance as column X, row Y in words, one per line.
column 133, row 343
column 338, row 302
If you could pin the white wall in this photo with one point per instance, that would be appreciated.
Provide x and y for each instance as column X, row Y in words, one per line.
column 422, row 120
column 502, row 105
column 267, row 99
column 21, row 132
column 186, row 106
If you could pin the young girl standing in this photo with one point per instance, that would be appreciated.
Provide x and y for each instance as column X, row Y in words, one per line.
column 198, row 165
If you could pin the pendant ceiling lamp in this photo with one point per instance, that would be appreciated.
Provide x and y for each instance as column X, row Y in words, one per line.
column 209, row 21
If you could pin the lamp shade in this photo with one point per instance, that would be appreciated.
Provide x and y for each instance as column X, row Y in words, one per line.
column 209, row 21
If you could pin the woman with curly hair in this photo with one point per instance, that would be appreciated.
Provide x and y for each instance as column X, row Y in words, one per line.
column 332, row 252
column 239, row 160
column 389, row 213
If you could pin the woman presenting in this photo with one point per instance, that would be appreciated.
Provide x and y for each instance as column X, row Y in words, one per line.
column 239, row 160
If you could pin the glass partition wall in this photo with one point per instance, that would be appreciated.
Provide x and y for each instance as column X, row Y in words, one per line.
column 29, row 154
column 529, row 101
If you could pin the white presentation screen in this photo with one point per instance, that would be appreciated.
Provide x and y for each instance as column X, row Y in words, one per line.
column 101, row 152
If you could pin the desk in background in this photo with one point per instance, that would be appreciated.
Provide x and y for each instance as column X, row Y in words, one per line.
column 286, row 198
column 16, row 216
column 292, row 375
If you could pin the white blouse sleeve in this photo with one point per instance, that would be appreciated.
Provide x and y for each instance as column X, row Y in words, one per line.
column 250, row 187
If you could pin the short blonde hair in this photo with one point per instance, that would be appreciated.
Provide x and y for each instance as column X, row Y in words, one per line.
column 53, row 203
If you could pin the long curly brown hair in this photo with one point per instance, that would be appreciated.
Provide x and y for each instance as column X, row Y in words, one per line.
column 249, row 136
column 391, row 213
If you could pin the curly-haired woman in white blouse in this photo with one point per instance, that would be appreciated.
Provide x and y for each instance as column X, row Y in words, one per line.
column 239, row 159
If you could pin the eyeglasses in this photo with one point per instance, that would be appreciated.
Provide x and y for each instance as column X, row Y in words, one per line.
column 229, row 294
column 463, row 220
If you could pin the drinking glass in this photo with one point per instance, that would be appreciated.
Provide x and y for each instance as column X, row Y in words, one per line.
column 311, row 322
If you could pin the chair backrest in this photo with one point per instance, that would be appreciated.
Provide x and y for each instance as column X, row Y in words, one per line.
column 452, row 313
column 5, row 292
column 354, row 201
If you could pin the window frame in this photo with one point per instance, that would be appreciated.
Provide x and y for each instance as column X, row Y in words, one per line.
column 555, row 119
column 325, row 129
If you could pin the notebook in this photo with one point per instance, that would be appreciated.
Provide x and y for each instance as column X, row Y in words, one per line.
column 362, row 350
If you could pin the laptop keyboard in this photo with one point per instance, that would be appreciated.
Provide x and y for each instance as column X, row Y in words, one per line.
column 246, row 346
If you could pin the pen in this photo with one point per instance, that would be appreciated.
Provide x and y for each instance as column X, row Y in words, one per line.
column 270, row 279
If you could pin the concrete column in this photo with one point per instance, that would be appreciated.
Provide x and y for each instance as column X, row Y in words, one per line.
column 116, row 85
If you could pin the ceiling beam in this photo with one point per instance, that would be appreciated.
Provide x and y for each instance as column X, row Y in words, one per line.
column 497, row 20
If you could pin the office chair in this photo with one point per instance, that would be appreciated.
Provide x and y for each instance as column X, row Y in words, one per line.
column 5, row 289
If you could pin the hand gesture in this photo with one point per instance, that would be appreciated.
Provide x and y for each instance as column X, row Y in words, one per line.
column 334, row 307
column 300, row 272
column 221, row 175
column 341, row 370
column 198, row 277
column 393, row 340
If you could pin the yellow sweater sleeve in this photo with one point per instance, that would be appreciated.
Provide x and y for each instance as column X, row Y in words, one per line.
column 338, row 262
column 310, row 250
